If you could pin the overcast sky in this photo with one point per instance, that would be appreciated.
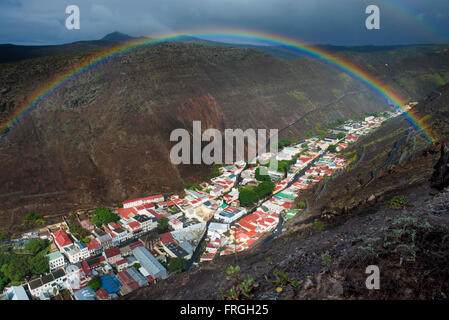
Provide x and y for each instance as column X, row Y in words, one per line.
column 340, row 22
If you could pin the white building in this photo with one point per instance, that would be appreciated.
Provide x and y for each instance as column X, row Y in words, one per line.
column 215, row 229
column 292, row 151
column 76, row 252
column 15, row 293
column 140, row 201
column 283, row 156
column 146, row 222
column 48, row 283
column 229, row 214
column 55, row 260
column 175, row 223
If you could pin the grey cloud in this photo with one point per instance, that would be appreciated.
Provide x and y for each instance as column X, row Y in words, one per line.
column 315, row 21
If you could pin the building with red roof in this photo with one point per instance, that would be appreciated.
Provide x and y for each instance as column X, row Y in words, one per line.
column 136, row 244
column 166, row 238
column 112, row 255
column 127, row 213
column 87, row 224
column 121, row 265
column 62, row 239
column 154, row 213
column 128, row 283
column 150, row 279
column 141, row 201
column 102, row 294
column 134, row 226
column 246, row 225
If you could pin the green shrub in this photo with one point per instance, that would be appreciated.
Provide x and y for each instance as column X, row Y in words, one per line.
column 398, row 203
column 318, row 225
column 326, row 259
column 301, row 205
column 242, row 289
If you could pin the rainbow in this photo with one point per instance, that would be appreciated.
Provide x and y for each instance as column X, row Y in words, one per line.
column 229, row 35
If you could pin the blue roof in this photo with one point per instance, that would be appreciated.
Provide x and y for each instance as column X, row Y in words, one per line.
column 86, row 293
column 110, row 283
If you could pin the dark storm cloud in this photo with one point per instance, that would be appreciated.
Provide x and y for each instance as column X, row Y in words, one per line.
column 314, row 21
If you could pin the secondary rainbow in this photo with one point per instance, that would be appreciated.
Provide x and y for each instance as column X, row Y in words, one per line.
column 228, row 35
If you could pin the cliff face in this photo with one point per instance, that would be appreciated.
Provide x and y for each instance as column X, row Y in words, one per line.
column 104, row 137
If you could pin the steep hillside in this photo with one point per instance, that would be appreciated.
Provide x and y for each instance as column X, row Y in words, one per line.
column 104, row 137
column 354, row 220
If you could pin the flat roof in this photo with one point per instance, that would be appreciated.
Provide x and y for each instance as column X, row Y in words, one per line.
column 36, row 283
column 47, row 278
column 58, row 273
column 177, row 250
column 54, row 255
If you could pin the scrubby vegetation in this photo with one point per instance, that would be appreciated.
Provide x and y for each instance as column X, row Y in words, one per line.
column 282, row 281
column 241, row 288
column 398, row 203
column 301, row 205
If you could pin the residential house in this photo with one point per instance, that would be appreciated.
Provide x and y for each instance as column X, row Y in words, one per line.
column 61, row 239
column 112, row 255
column 146, row 222
column 175, row 223
column 94, row 247
column 105, row 241
column 141, row 201
column 15, row 293
column 47, row 283
column 121, row 265
column 76, row 252
column 87, row 224
column 55, row 260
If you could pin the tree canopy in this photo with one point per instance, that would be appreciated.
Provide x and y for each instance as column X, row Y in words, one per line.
column 162, row 224
column 18, row 267
column 103, row 215
column 32, row 216
column 261, row 177
column 332, row 148
column 249, row 195
column 94, row 283
column 284, row 143
column 177, row 265
column 5, row 236
column 36, row 245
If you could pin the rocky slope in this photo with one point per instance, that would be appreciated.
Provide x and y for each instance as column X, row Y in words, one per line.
column 104, row 137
